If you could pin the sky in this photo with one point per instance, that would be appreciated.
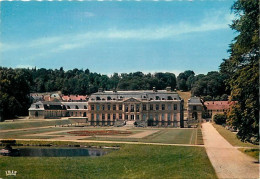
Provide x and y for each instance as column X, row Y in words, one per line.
column 117, row 36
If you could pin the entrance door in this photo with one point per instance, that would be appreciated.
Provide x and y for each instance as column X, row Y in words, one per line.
column 132, row 117
column 194, row 115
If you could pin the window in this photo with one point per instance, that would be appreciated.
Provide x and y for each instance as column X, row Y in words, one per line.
column 108, row 116
column 69, row 107
column 174, row 117
column 132, row 108
column 137, row 117
column 144, row 107
column 169, row 116
column 37, row 106
column 92, row 117
column 76, row 107
column 108, row 98
column 144, row 116
column 157, row 107
column 114, row 107
column 92, row 107
column 162, row 116
column 120, row 116
column 151, row 117
column 97, row 107
column 157, row 98
column 126, row 117
column 103, row 107
column 157, row 117
column 132, row 117
column 120, row 107
column 85, row 107
column 194, row 107
column 175, row 106
column 169, row 98
column 103, row 116
column 97, row 98
column 151, row 106
column 137, row 108
column 114, row 116
column 163, row 106
column 126, row 108
column 71, row 113
column 169, row 107
column 97, row 116
column 108, row 107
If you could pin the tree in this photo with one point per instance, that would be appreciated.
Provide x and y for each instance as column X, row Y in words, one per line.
column 242, row 70
column 184, row 80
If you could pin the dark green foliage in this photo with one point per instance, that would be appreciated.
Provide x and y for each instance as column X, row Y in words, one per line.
column 185, row 80
column 220, row 119
column 242, row 71
column 14, row 91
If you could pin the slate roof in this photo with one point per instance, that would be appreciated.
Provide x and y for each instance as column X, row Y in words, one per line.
column 194, row 101
column 43, row 105
column 145, row 94
column 74, row 98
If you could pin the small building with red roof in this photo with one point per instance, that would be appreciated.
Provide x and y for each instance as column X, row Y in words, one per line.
column 213, row 107
column 74, row 98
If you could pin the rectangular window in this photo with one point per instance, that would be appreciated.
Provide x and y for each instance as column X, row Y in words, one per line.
column 194, row 107
column 120, row 116
column 132, row 108
column 175, row 106
column 151, row 106
column 157, row 117
column 92, row 117
column 174, row 117
column 92, row 107
column 163, row 106
column 114, row 107
column 162, row 117
column 97, row 107
column 126, row 108
column 144, row 107
column 108, row 116
column 120, row 107
column 151, row 117
column 169, row 116
column 114, row 116
column 157, row 107
column 108, row 107
column 97, row 116
column 137, row 108
column 144, row 116
column 137, row 117
column 103, row 116
column 103, row 107
column 126, row 117
column 169, row 107
column 132, row 117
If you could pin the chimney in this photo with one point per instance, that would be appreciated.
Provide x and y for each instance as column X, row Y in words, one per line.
column 168, row 89
column 154, row 89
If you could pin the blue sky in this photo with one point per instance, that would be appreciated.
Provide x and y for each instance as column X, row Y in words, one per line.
column 118, row 36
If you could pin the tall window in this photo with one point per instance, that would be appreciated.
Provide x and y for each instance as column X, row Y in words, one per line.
column 97, row 107
column 194, row 107
column 169, row 107
column 126, row 117
column 126, row 108
column 108, row 107
column 103, row 107
column 108, row 116
column 120, row 107
column 174, row 117
column 114, row 107
column 151, row 106
column 163, row 106
column 175, row 106
column 120, row 116
column 144, row 116
column 162, row 117
column 92, row 117
column 97, row 116
column 137, row 117
column 114, row 116
column 92, row 107
column 137, row 108
column 103, row 116
column 144, row 107
column 169, row 116
column 132, row 108
column 157, row 107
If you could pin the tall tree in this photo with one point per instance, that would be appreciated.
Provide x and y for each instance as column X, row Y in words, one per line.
column 242, row 70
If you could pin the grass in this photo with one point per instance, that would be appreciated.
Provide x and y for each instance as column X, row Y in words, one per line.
column 131, row 161
column 232, row 138
column 168, row 136
column 251, row 152
column 30, row 124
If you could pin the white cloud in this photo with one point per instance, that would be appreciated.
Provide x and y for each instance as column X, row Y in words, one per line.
column 212, row 21
column 24, row 66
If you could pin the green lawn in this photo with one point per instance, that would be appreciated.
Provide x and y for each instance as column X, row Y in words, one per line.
column 29, row 124
column 232, row 138
column 131, row 161
column 168, row 136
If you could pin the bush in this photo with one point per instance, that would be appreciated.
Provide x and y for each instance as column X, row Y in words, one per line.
column 220, row 119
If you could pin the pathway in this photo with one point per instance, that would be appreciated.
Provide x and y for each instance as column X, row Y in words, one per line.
column 227, row 161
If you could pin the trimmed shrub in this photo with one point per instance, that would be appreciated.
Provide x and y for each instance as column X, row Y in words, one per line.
column 220, row 119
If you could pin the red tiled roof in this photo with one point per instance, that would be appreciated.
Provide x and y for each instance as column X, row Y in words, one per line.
column 74, row 98
column 218, row 105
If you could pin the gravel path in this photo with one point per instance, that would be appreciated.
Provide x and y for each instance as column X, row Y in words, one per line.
column 227, row 161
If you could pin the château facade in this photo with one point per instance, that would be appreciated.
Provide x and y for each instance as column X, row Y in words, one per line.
column 155, row 108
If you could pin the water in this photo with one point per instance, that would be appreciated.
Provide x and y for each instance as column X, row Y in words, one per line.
column 60, row 152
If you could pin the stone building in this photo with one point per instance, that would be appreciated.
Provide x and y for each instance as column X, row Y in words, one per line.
column 195, row 109
column 217, row 107
column 48, row 109
column 155, row 108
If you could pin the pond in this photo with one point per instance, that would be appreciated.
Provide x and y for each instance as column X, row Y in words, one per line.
column 60, row 152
